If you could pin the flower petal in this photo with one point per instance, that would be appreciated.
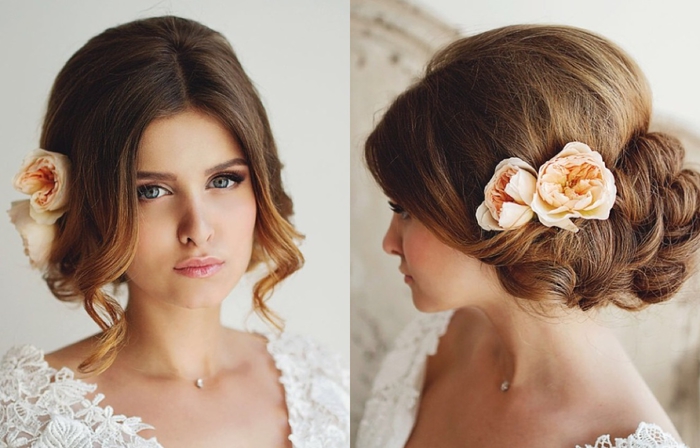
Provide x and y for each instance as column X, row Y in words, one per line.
column 575, row 148
column 522, row 187
column 37, row 238
column 44, row 175
column 44, row 217
column 574, row 183
column 565, row 223
column 486, row 219
column 514, row 215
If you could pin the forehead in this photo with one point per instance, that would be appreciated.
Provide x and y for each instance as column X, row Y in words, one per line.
column 185, row 142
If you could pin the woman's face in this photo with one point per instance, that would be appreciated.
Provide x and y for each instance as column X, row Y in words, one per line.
column 197, row 213
column 440, row 277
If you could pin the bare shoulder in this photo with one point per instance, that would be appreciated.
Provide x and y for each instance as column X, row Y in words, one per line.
column 589, row 398
column 248, row 347
column 244, row 340
column 71, row 356
column 605, row 401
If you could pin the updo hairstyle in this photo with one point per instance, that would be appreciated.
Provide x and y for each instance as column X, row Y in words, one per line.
column 101, row 102
column 526, row 91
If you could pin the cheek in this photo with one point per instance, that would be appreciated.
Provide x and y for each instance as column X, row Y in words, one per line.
column 238, row 212
column 152, row 235
column 248, row 214
column 422, row 249
column 235, row 224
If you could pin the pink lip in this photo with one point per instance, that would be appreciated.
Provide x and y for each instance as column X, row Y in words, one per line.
column 406, row 278
column 199, row 267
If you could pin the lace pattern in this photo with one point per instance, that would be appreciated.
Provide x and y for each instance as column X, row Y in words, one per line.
column 45, row 408
column 317, row 392
column 646, row 436
column 391, row 410
column 41, row 407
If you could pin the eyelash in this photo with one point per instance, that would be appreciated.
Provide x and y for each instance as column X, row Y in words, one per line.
column 236, row 178
column 396, row 208
column 233, row 177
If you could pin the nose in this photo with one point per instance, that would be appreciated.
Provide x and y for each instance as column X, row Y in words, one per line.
column 195, row 224
column 392, row 243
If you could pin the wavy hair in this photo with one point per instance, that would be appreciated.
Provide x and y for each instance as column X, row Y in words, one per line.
column 525, row 91
column 100, row 104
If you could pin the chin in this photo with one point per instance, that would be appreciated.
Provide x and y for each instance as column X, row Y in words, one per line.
column 426, row 305
column 199, row 303
column 199, row 298
column 435, row 303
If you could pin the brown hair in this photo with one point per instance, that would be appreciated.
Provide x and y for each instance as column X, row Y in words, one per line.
column 101, row 102
column 526, row 91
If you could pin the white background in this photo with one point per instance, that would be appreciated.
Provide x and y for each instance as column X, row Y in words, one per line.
column 296, row 52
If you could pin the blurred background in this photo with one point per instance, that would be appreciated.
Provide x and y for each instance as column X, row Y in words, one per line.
column 392, row 40
column 296, row 54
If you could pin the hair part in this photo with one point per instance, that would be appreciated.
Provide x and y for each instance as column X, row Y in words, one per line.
column 525, row 91
column 100, row 104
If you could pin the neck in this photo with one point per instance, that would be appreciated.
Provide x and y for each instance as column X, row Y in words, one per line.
column 537, row 350
column 168, row 341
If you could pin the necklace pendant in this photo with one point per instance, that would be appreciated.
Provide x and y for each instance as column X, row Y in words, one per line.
column 505, row 386
column 200, row 383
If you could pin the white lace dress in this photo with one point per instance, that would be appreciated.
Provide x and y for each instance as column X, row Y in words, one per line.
column 391, row 411
column 41, row 407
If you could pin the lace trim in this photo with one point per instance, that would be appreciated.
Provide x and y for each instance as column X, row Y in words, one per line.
column 391, row 411
column 317, row 392
column 42, row 407
column 647, row 436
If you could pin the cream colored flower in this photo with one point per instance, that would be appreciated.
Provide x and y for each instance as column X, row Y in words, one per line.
column 37, row 238
column 507, row 196
column 44, row 177
column 573, row 184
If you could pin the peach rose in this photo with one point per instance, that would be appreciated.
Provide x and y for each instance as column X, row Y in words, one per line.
column 44, row 177
column 507, row 196
column 573, row 184
column 37, row 238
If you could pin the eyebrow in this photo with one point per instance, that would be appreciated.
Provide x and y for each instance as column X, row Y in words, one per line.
column 154, row 175
column 222, row 166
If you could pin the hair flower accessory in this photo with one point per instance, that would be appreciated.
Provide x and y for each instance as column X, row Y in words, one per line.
column 573, row 184
column 508, row 196
column 44, row 177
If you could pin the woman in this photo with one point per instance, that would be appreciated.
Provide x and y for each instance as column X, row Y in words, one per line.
column 528, row 193
column 158, row 170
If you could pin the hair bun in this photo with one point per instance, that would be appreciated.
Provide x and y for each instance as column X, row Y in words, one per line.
column 661, row 200
column 525, row 91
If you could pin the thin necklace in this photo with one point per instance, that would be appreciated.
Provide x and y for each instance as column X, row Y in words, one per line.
column 199, row 382
column 507, row 371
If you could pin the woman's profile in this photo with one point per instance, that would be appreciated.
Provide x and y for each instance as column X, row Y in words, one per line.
column 528, row 193
column 158, row 170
